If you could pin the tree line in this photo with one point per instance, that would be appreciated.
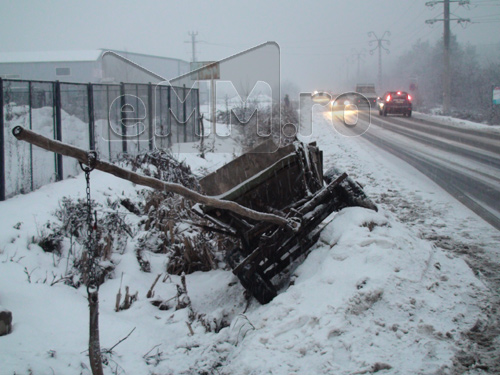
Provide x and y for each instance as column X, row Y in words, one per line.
column 472, row 79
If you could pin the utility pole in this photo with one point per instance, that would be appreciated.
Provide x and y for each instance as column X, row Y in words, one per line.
column 193, row 34
column 446, row 58
column 446, row 51
column 379, row 44
column 359, row 56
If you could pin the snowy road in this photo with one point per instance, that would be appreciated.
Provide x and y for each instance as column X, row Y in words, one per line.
column 464, row 162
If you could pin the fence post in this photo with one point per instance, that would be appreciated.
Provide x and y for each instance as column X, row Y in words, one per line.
column 136, row 111
column 158, row 108
column 123, row 117
column 2, row 148
column 58, row 129
column 90, row 108
column 109, row 123
column 169, row 117
column 200, row 130
column 184, row 110
column 150, row 115
column 30, row 105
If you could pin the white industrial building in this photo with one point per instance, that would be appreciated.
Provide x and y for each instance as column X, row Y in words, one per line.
column 95, row 66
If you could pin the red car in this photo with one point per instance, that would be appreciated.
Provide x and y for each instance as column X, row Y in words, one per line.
column 395, row 102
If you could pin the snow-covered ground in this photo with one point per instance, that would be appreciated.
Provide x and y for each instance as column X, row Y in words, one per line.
column 377, row 293
column 464, row 124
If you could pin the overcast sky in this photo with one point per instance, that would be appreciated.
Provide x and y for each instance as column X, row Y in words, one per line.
column 317, row 38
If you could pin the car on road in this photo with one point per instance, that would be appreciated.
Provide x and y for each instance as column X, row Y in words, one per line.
column 321, row 97
column 366, row 95
column 340, row 101
column 395, row 102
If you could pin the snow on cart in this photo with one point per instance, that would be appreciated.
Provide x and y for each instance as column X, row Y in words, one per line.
column 289, row 182
column 273, row 202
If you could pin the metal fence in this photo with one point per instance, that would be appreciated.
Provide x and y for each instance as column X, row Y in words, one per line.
column 109, row 118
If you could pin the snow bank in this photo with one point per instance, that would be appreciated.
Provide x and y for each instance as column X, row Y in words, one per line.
column 369, row 293
column 24, row 164
column 464, row 124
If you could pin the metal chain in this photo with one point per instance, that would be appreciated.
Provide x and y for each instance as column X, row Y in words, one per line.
column 91, row 266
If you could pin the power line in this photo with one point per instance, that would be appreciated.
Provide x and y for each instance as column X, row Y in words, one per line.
column 417, row 36
column 486, row 2
column 400, row 18
column 487, row 17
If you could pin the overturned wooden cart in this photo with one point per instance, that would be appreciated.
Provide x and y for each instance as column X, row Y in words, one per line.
column 289, row 182
column 274, row 200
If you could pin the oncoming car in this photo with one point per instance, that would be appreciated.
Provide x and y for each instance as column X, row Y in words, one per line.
column 341, row 101
column 395, row 102
column 343, row 109
column 321, row 97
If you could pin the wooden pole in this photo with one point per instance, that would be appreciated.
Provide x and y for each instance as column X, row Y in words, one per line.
column 94, row 343
column 82, row 156
column 58, row 128
column 2, row 145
